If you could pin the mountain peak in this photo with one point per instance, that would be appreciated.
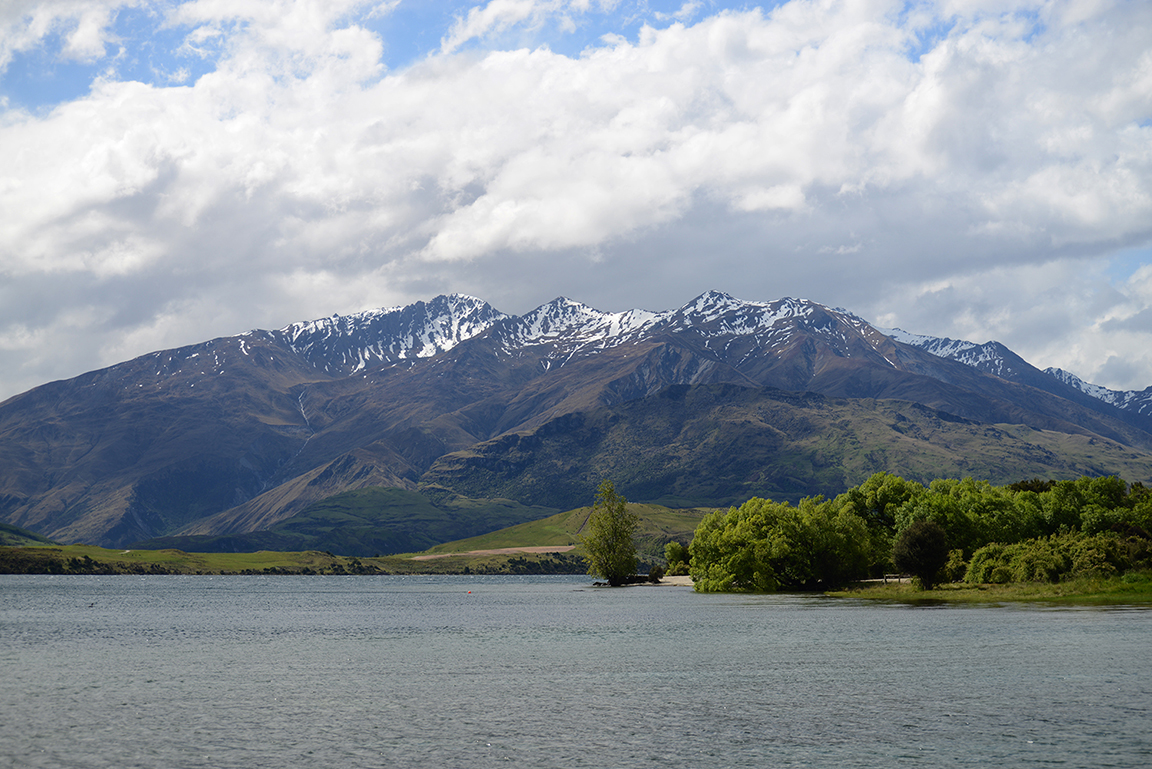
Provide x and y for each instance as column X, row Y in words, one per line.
column 574, row 327
column 713, row 304
column 720, row 313
column 350, row 343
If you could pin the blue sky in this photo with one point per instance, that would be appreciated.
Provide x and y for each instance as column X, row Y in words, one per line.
column 174, row 171
column 140, row 46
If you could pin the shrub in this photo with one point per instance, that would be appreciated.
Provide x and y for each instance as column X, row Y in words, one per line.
column 1051, row 559
column 955, row 568
column 764, row 546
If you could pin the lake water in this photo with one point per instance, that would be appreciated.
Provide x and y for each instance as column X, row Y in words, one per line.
column 268, row 672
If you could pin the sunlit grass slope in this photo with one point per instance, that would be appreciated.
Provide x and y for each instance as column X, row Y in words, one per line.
column 658, row 525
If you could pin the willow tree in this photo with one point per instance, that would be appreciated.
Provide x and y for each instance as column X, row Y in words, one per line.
column 608, row 545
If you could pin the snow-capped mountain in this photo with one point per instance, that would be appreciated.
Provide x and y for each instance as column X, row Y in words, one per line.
column 571, row 328
column 561, row 330
column 1139, row 401
column 351, row 343
column 716, row 315
column 996, row 359
column 235, row 434
column 991, row 357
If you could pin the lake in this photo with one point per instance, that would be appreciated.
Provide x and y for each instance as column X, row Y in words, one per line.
column 268, row 672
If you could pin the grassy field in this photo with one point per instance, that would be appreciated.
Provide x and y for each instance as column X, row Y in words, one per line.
column 87, row 559
column 658, row 525
column 1131, row 588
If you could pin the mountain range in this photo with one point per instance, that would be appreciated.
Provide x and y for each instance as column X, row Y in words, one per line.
column 451, row 399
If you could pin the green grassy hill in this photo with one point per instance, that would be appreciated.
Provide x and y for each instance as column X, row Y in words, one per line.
column 658, row 526
column 14, row 536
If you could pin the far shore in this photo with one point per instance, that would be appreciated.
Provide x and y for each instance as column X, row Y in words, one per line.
column 499, row 551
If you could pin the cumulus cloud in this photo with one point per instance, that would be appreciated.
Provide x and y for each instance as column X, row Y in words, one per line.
column 963, row 167
column 1073, row 316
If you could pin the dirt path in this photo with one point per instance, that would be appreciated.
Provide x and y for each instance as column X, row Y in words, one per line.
column 501, row 551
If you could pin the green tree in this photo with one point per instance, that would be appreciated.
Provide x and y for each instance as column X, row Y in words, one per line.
column 764, row 546
column 677, row 557
column 608, row 545
column 921, row 550
column 877, row 499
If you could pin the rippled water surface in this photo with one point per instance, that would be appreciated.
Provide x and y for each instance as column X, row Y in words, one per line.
column 550, row 672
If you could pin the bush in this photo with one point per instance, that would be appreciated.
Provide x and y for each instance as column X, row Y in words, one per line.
column 1051, row 559
column 955, row 568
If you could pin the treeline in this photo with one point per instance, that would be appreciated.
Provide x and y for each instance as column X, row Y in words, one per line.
column 951, row 530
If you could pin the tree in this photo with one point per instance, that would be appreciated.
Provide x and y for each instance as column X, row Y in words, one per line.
column 764, row 546
column 677, row 557
column 608, row 546
column 921, row 550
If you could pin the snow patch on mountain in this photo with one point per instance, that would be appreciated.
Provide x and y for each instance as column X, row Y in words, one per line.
column 734, row 316
column 716, row 315
column 572, row 328
column 990, row 357
column 940, row 347
column 994, row 358
column 1139, row 401
column 352, row 343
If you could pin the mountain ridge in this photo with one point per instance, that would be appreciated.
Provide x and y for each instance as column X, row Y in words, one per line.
column 246, row 431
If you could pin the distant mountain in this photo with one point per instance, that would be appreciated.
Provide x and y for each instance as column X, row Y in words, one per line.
column 1139, row 401
column 239, row 434
column 367, row 522
column 996, row 359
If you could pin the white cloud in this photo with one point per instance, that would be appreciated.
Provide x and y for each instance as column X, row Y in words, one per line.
column 1065, row 313
column 84, row 24
column 801, row 151
column 499, row 16
column 685, row 13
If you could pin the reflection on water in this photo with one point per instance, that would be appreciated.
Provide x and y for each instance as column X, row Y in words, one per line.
column 547, row 671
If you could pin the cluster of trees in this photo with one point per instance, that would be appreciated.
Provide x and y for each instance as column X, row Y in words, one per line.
column 949, row 530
